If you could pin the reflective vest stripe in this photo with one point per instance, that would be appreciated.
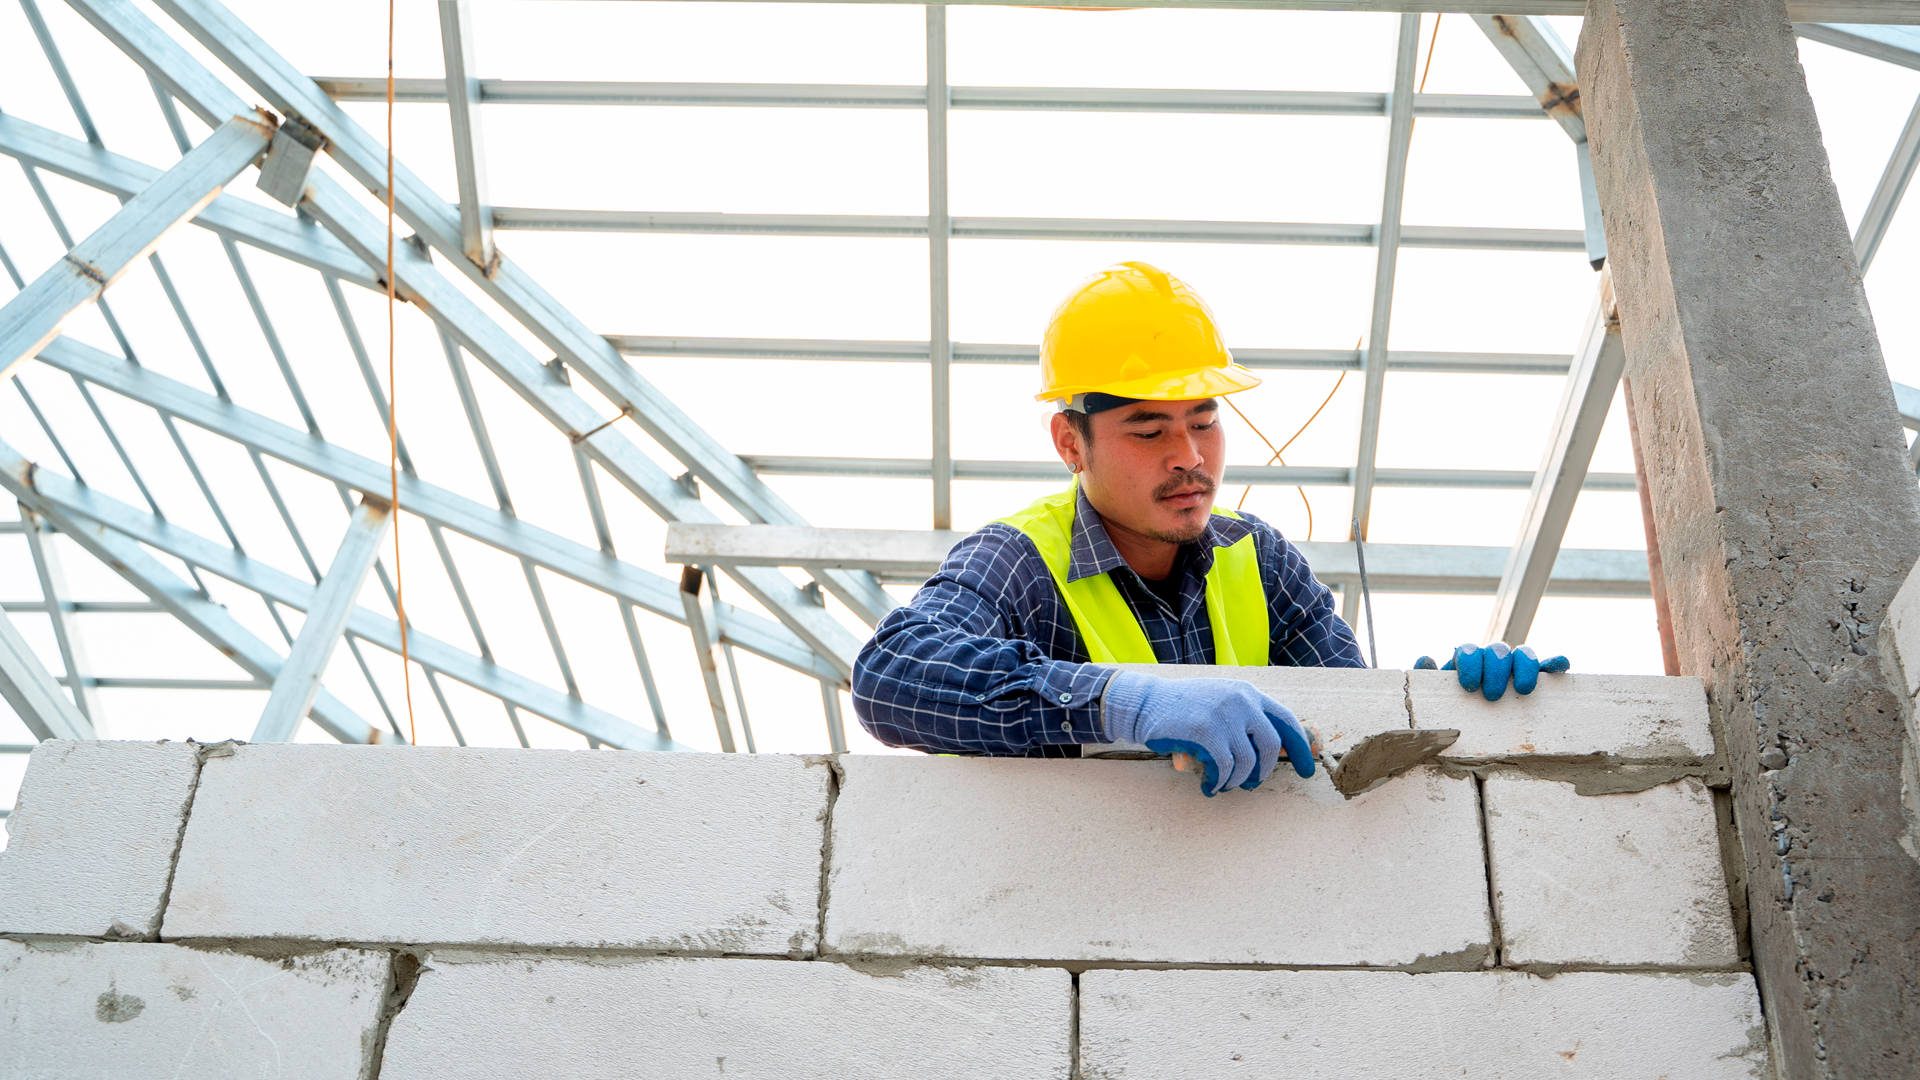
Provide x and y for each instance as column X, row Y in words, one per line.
column 1236, row 597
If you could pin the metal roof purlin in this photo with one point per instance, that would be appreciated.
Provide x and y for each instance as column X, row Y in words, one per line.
column 582, row 350
column 1829, row 11
column 1399, row 142
column 120, row 526
column 484, row 524
column 423, row 286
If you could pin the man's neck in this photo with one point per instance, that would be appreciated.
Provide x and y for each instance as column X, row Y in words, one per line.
column 1150, row 557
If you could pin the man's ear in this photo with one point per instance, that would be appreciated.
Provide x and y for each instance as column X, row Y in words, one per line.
column 1067, row 443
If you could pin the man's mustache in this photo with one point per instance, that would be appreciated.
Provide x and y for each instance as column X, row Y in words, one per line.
column 1186, row 483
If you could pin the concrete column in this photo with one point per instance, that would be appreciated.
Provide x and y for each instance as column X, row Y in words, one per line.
column 1787, row 517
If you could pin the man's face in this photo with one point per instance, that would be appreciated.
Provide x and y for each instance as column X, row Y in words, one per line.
column 1152, row 466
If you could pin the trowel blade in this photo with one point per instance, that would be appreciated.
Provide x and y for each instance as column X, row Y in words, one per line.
column 1377, row 759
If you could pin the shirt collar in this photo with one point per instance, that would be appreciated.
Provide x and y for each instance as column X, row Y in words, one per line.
column 1092, row 551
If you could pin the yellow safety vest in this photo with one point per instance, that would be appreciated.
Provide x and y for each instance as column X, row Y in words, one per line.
column 1236, row 598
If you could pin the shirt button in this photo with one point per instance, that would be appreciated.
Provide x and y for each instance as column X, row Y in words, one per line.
column 979, row 697
column 1064, row 698
column 1066, row 725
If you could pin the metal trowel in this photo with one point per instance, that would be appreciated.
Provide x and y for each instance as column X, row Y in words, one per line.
column 1373, row 760
column 1379, row 758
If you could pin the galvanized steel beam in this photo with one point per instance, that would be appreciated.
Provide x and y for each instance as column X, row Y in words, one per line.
column 836, row 724
column 1843, row 11
column 596, row 509
column 1308, row 234
column 1536, row 53
column 1894, row 44
column 915, row 352
column 912, row 556
column 57, row 497
column 1887, row 194
column 366, row 476
column 1563, row 470
column 34, row 695
column 469, row 148
column 989, row 98
column 120, row 526
column 115, row 683
column 1390, row 237
column 60, row 73
column 939, row 228
column 298, row 682
column 1474, row 571
column 229, row 216
column 186, row 79
column 84, row 607
column 437, row 223
column 696, row 599
column 33, row 317
column 483, row 443
column 892, row 552
column 1283, row 475
column 54, row 593
column 461, row 318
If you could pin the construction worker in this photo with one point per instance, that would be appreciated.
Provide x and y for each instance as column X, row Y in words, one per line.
column 1008, row 650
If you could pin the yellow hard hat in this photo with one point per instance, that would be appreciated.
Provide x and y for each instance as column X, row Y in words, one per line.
column 1136, row 331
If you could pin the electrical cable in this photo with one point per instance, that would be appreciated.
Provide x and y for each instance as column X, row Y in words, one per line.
column 393, row 404
column 1431, row 42
column 1283, row 448
column 1426, row 69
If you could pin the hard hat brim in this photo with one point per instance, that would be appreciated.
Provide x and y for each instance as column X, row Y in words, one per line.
column 1204, row 383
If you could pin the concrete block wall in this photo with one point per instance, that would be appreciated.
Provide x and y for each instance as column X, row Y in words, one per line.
column 1550, row 896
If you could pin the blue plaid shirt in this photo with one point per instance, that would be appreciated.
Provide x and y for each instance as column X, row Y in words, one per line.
column 986, row 658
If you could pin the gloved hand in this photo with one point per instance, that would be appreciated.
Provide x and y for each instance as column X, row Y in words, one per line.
column 1235, row 731
column 1486, row 668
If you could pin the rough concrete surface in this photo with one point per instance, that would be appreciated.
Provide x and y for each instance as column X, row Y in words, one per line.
column 1345, row 704
column 1786, row 510
column 665, row 852
column 1629, row 718
column 1337, row 1025
column 130, row 1011
column 1608, row 879
column 1116, row 860
column 563, row 1019
column 91, row 841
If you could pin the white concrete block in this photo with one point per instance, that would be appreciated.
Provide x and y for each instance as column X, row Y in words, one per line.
column 1900, row 631
column 1125, row 860
column 1628, row 879
column 92, row 838
column 1630, row 718
column 1337, row 1025
column 1900, row 647
column 138, row 1010
column 600, row 1020
column 1344, row 704
column 669, row 852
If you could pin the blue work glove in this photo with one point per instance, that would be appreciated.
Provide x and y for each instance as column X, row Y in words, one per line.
column 1487, row 668
column 1235, row 731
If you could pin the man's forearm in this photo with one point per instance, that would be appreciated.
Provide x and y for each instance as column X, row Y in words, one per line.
column 940, row 690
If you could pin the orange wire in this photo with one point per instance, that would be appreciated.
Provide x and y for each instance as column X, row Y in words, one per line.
column 1431, row 42
column 393, row 404
column 1315, row 416
column 1283, row 449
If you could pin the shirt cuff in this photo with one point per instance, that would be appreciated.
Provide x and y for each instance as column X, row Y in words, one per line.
column 1070, row 694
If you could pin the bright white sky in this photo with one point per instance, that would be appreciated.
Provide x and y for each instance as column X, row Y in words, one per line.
column 1461, row 172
